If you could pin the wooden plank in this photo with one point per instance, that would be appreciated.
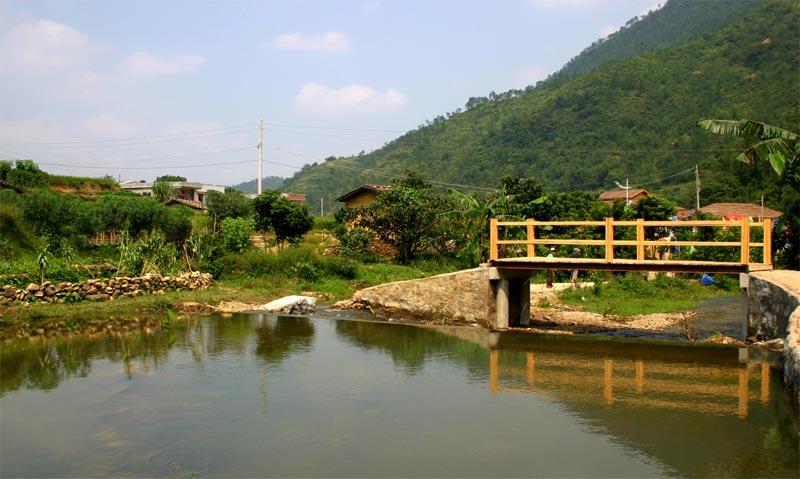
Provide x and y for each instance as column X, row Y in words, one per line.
column 531, row 236
column 546, row 241
column 493, row 254
column 680, row 224
column 745, row 238
column 767, row 244
column 640, row 239
column 680, row 243
column 552, row 223
column 609, row 240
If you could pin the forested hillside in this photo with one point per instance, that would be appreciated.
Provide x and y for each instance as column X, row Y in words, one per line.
column 634, row 118
column 677, row 22
column 267, row 183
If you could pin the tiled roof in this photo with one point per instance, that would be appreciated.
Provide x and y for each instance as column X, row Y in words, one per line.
column 375, row 188
column 198, row 205
column 620, row 194
column 740, row 209
column 297, row 197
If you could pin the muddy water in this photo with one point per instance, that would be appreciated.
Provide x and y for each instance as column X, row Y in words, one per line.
column 260, row 396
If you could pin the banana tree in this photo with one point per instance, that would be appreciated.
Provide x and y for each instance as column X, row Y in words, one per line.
column 473, row 214
column 765, row 143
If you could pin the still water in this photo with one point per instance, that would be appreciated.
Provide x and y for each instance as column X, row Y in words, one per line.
column 254, row 395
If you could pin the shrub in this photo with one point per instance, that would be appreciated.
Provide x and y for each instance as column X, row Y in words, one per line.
column 236, row 233
column 340, row 267
column 306, row 271
column 149, row 254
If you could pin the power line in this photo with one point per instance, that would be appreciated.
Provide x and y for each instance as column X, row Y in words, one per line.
column 335, row 128
column 113, row 140
column 136, row 143
column 171, row 167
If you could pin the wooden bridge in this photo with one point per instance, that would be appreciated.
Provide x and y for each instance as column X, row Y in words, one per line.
column 507, row 254
column 513, row 252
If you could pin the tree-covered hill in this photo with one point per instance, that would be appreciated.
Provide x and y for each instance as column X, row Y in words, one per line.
column 267, row 183
column 677, row 22
column 633, row 118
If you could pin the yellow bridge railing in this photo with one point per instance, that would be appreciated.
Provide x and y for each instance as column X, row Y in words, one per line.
column 531, row 240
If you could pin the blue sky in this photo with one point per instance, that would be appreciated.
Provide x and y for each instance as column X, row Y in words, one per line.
column 138, row 89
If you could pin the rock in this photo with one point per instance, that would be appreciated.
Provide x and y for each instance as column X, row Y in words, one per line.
column 33, row 287
column 9, row 291
column 97, row 297
column 299, row 305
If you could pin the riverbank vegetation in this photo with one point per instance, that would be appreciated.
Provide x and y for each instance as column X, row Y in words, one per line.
column 411, row 231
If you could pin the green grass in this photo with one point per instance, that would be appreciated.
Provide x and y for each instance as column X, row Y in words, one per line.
column 631, row 294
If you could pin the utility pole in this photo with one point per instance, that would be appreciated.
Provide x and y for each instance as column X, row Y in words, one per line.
column 322, row 206
column 260, row 155
column 627, row 189
column 697, row 189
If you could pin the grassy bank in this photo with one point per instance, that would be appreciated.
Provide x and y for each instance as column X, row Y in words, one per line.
column 632, row 294
column 243, row 286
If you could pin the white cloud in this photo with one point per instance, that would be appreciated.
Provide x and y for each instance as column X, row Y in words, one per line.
column 652, row 8
column 150, row 64
column 531, row 75
column 354, row 97
column 371, row 6
column 44, row 46
column 331, row 42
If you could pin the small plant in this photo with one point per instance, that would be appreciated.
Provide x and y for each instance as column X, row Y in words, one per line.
column 306, row 272
column 43, row 261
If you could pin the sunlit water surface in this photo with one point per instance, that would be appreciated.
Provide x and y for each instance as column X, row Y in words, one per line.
column 254, row 395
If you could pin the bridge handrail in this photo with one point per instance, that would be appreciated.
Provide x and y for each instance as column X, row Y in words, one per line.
column 744, row 244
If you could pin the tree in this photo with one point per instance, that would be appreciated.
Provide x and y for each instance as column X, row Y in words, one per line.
column 170, row 178
column 288, row 219
column 163, row 191
column 655, row 208
column 231, row 204
column 236, row 233
column 765, row 143
column 781, row 148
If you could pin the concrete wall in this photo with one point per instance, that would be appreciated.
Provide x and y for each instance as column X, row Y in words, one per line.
column 464, row 296
column 774, row 312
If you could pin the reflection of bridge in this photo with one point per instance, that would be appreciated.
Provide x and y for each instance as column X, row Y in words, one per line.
column 707, row 388
column 513, row 259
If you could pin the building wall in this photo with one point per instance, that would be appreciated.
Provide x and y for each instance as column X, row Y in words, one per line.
column 364, row 198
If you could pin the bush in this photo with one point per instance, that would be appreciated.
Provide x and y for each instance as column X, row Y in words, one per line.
column 325, row 224
column 236, row 233
column 340, row 267
column 15, row 235
column 306, row 272
column 149, row 254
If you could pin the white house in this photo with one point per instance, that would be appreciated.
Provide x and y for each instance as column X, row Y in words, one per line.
column 185, row 190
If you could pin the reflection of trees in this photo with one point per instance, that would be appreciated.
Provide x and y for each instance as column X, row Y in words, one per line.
column 42, row 365
column 411, row 346
column 279, row 337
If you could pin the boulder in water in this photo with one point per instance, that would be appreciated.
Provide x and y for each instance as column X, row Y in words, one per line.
column 299, row 305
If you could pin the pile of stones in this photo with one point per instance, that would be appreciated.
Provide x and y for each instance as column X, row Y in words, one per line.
column 103, row 289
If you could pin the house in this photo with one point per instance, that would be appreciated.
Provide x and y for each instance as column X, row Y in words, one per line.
column 633, row 195
column 184, row 190
column 295, row 197
column 735, row 211
column 363, row 196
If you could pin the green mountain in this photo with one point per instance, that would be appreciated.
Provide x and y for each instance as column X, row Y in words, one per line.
column 268, row 183
column 631, row 118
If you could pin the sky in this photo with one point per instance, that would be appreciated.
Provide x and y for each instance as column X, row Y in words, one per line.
column 139, row 89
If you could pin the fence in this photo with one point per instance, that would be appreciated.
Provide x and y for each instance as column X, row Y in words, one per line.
column 609, row 243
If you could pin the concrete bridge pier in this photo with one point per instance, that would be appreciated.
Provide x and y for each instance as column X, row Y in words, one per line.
column 512, row 297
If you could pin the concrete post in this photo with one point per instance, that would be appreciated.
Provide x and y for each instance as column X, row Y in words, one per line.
column 501, row 322
column 525, row 302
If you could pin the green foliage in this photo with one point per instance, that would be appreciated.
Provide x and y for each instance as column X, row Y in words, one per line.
column 5, row 167
column 51, row 214
column 231, row 204
column 403, row 217
column 27, row 174
column 151, row 253
column 306, row 272
column 236, row 233
column 325, row 224
column 655, row 208
column 301, row 262
column 82, row 183
column 163, row 191
column 169, row 178
column 289, row 220
column 15, row 235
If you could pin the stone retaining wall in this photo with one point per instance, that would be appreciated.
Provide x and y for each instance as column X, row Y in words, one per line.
column 103, row 289
column 464, row 296
column 774, row 312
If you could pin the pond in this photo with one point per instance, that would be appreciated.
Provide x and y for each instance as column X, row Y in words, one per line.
column 256, row 395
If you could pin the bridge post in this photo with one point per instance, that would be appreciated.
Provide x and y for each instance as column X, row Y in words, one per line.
column 501, row 322
column 767, row 240
column 609, row 240
column 745, row 241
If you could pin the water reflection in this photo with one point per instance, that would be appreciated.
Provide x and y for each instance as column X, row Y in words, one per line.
column 476, row 403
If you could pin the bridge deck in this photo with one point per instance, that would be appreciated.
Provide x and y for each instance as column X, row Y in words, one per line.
column 532, row 263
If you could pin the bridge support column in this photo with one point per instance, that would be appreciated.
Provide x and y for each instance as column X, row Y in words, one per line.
column 512, row 301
